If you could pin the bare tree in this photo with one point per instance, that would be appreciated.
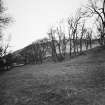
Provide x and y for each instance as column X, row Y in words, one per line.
column 61, row 43
column 73, row 31
column 99, row 28
column 88, row 38
column 64, row 45
column 90, row 32
column 4, row 50
column 43, row 47
column 53, row 43
column 96, row 8
column 81, row 37
column 38, row 51
column 70, row 20
column 35, row 52
column 4, row 21
column 83, row 31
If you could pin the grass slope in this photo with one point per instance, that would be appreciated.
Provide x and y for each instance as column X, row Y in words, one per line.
column 80, row 81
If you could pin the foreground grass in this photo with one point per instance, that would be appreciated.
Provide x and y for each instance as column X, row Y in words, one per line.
column 80, row 81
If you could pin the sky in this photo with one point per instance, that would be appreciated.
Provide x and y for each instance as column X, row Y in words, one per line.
column 33, row 18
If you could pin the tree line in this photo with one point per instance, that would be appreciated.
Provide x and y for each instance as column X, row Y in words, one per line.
column 74, row 36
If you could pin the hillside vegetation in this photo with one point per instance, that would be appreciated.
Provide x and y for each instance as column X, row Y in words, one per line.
column 79, row 81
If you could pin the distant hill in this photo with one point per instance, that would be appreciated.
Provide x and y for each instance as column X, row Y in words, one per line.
column 27, row 51
column 28, row 47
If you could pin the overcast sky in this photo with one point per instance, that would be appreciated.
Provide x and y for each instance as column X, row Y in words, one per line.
column 33, row 18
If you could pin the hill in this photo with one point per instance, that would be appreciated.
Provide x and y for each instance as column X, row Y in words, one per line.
column 79, row 81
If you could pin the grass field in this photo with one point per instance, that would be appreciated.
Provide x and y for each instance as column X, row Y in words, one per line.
column 79, row 81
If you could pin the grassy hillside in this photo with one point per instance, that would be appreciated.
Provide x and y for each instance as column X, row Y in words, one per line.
column 79, row 81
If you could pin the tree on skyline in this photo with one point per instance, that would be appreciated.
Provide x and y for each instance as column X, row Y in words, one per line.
column 96, row 8
column 4, row 21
